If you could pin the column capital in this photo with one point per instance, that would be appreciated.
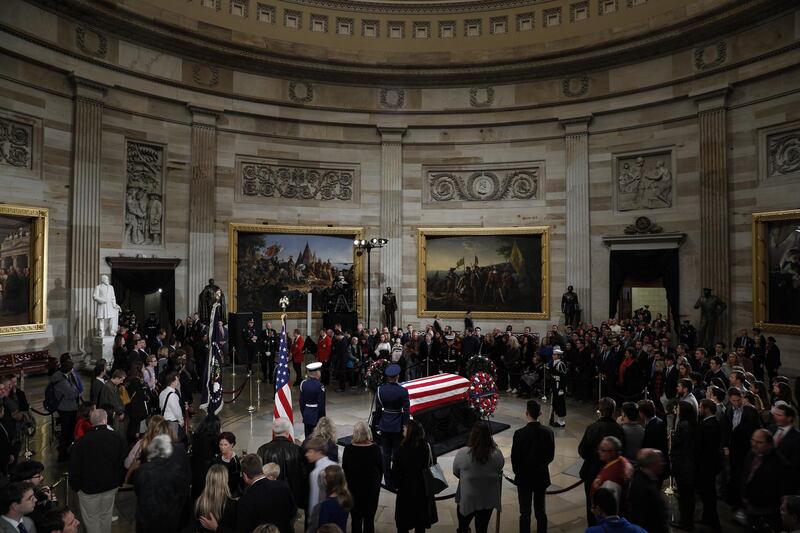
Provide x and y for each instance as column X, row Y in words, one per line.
column 392, row 133
column 711, row 98
column 88, row 89
column 205, row 115
column 576, row 125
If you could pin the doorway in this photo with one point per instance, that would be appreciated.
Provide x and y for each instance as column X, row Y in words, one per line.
column 644, row 277
column 636, row 295
column 145, row 286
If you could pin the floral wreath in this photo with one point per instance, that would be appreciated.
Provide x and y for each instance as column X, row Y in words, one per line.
column 376, row 374
column 483, row 394
column 479, row 363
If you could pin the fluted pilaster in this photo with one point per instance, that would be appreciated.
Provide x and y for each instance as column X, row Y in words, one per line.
column 85, row 227
column 714, row 245
column 576, row 169
column 202, row 202
column 391, row 217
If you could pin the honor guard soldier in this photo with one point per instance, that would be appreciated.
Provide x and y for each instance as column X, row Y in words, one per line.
column 268, row 348
column 312, row 398
column 250, row 342
column 392, row 408
column 451, row 355
column 558, row 375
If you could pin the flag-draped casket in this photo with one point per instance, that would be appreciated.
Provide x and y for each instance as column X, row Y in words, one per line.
column 435, row 391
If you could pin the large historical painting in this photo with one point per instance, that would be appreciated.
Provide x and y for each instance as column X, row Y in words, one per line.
column 23, row 237
column 776, row 270
column 276, row 261
column 494, row 272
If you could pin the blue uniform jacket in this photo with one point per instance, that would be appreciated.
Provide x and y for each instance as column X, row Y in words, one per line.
column 392, row 408
column 312, row 401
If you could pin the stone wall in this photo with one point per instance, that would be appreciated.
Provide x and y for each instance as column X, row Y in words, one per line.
column 578, row 139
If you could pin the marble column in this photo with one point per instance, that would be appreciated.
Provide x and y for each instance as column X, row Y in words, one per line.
column 714, row 245
column 84, row 259
column 578, row 245
column 391, row 269
column 202, row 202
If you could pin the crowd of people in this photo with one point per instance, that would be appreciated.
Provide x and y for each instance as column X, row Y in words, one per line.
column 715, row 426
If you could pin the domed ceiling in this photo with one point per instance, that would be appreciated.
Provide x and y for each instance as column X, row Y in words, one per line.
column 418, row 42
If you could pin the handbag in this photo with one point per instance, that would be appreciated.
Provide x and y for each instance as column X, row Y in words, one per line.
column 435, row 482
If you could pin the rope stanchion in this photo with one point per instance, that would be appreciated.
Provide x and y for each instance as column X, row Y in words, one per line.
column 236, row 396
column 238, row 391
column 549, row 492
column 41, row 413
column 437, row 498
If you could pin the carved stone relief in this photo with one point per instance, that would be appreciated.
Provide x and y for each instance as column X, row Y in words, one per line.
column 144, row 195
column 475, row 184
column 16, row 143
column 575, row 87
column 481, row 96
column 91, row 42
column 710, row 56
column 261, row 179
column 644, row 180
column 393, row 98
column 20, row 145
column 301, row 92
column 205, row 75
column 783, row 153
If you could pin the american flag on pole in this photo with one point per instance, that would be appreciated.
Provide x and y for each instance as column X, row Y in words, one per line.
column 436, row 390
column 283, row 392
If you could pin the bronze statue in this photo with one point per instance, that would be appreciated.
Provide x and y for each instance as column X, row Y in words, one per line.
column 389, row 308
column 208, row 297
column 570, row 307
column 711, row 307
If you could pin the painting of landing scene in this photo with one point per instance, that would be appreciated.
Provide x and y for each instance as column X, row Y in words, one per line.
column 495, row 273
column 293, row 261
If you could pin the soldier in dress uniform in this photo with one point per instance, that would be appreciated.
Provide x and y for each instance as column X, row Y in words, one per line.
column 392, row 408
column 451, row 355
column 268, row 347
column 312, row 398
column 558, row 375
column 250, row 343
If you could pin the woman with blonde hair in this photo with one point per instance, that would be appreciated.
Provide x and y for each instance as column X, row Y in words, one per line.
column 362, row 462
column 156, row 426
column 215, row 509
column 326, row 430
column 335, row 508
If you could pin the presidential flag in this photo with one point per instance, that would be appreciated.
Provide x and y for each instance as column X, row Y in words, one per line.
column 283, row 392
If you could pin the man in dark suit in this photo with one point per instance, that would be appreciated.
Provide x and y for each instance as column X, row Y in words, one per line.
column 266, row 501
column 249, row 343
column 743, row 341
column 764, row 481
column 587, row 449
column 709, row 447
column 531, row 453
column 670, row 376
column 715, row 371
column 655, row 429
column 646, row 506
column 787, row 439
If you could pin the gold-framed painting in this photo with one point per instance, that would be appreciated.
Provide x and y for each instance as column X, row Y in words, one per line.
column 23, row 269
column 268, row 262
column 501, row 273
column 776, row 271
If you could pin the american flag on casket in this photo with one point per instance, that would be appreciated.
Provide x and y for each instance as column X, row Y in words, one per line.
column 441, row 389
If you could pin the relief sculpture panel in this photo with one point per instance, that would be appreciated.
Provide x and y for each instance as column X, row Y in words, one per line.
column 644, row 180
column 483, row 183
column 263, row 179
column 20, row 145
column 783, row 153
column 144, row 194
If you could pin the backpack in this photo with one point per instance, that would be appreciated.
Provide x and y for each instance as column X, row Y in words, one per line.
column 50, row 399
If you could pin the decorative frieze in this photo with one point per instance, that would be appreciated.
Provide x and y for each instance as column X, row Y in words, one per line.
column 575, row 87
column 205, row 75
column 393, row 98
column 484, row 183
column 643, row 180
column 783, row 154
column 90, row 42
column 481, row 96
column 710, row 56
column 20, row 145
column 301, row 92
column 144, row 194
column 281, row 179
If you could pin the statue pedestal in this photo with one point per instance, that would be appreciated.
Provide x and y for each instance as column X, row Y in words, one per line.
column 103, row 348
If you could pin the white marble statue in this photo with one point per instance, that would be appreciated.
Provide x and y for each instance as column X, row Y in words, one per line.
column 106, row 308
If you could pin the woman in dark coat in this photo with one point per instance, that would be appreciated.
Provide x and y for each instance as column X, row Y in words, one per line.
column 682, row 460
column 414, row 508
column 162, row 487
column 739, row 448
column 139, row 407
column 362, row 463
column 205, row 448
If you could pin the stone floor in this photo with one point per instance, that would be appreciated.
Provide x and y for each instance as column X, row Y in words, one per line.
column 565, row 511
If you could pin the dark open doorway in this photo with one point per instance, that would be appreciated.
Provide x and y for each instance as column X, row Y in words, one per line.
column 144, row 286
column 644, row 269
